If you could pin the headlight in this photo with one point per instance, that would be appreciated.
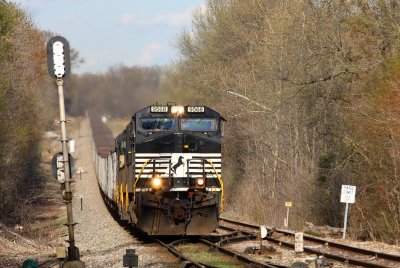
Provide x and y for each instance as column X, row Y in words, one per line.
column 178, row 110
column 200, row 182
column 156, row 182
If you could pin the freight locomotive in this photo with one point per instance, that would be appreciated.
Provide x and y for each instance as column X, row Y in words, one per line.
column 164, row 175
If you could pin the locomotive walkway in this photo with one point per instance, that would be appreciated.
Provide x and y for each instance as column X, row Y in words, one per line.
column 101, row 240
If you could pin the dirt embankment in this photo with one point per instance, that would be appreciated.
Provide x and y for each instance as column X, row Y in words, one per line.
column 41, row 228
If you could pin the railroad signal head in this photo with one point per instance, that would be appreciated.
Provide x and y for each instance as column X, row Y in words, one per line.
column 58, row 57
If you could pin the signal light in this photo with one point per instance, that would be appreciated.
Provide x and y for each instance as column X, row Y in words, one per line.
column 58, row 58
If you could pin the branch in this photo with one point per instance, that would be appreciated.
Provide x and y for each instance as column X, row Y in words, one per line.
column 248, row 112
column 323, row 79
column 357, row 149
column 246, row 98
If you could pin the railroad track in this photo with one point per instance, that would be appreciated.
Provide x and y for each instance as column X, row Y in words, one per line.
column 239, row 259
column 49, row 263
column 321, row 247
column 210, row 242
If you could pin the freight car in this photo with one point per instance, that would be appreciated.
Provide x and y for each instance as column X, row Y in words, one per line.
column 164, row 172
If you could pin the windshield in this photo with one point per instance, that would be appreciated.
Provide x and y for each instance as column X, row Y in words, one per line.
column 159, row 123
column 199, row 124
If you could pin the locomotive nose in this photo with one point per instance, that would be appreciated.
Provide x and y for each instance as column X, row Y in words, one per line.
column 192, row 146
column 185, row 143
column 178, row 141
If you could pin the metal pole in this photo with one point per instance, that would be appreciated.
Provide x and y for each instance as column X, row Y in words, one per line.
column 287, row 217
column 73, row 254
column 345, row 220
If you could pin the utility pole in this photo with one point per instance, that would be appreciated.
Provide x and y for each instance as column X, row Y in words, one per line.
column 58, row 63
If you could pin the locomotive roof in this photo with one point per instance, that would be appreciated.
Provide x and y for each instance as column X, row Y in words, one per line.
column 193, row 110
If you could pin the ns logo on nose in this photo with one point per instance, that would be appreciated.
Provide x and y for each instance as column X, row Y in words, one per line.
column 177, row 165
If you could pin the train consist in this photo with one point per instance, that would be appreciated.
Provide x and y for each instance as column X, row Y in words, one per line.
column 163, row 173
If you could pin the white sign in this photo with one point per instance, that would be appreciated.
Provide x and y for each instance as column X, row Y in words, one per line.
column 195, row 109
column 60, row 169
column 159, row 109
column 348, row 194
column 298, row 242
column 298, row 237
column 72, row 146
column 80, row 170
column 263, row 231
column 60, row 162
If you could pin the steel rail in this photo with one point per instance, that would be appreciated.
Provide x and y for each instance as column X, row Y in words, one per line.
column 180, row 256
column 375, row 254
column 172, row 248
column 238, row 237
column 49, row 263
column 238, row 256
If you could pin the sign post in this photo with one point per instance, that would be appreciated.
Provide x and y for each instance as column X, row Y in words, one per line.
column 80, row 172
column 58, row 65
column 263, row 234
column 347, row 196
column 288, row 205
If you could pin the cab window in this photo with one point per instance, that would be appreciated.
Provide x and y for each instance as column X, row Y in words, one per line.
column 199, row 124
column 154, row 124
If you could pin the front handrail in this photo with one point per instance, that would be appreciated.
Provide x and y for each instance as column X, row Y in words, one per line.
column 220, row 182
column 137, row 179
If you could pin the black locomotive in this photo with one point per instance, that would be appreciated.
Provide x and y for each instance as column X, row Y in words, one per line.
column 168, row 170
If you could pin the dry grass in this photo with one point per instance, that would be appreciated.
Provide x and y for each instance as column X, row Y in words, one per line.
column 43, row 213
column 40, row 232
column 201, row 254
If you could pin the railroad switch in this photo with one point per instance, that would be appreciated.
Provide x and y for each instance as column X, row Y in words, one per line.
column 130, row 259
column 262, row 250
column 299, row 264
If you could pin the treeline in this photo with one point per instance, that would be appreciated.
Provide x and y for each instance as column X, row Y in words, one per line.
column 310, row 89
column 118, row 92
column 311, row 93
column 22, row 76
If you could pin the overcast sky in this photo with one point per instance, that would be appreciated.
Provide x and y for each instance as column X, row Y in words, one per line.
column 108, row 33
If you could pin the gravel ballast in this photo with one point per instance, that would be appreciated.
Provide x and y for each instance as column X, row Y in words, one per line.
column 102, row 241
